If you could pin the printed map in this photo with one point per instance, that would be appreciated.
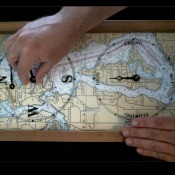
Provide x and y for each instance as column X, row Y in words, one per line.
column 104, row 82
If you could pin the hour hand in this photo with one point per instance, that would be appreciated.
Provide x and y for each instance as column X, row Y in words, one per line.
column 119, row 78
column 32, row 78
column 12, row 86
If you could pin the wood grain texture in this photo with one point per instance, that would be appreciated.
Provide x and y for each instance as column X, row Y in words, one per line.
column 109, row 26
column 61, row 136
column 11, row 27
column 135, row 26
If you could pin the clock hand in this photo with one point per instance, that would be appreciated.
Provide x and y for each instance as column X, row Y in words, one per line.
column 12, row 86
column 119, row 78
column 135, row 78
column 32, row 78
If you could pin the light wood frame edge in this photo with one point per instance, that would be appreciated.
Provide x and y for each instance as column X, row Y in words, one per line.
column 61, row 136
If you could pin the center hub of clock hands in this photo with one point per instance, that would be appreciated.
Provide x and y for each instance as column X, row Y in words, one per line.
column 134, row 77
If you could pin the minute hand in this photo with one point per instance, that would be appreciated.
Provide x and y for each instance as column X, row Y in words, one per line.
column 135, row 78
column 12, row 86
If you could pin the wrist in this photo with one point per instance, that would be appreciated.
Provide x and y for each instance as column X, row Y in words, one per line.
column 71, row 21
column 82, row 19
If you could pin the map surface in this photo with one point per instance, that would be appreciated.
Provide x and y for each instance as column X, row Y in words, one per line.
column 104, row 82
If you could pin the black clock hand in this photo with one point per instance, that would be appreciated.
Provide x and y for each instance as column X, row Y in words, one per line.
column 32, row 78
column 119, row 78
column 135, row 78
column 12, row 86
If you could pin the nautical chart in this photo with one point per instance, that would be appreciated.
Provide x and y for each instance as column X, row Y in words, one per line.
column 104, row 82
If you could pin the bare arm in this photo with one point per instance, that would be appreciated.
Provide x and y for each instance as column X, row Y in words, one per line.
column 51, row 38
column 85, row 18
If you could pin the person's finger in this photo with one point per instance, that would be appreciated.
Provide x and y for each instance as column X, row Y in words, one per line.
column 13, row 55
column 151, row 145
column 42, row 70
column 10, row 41
column 166, row 123
column 14, row 64
column 150, row 133
column 157, row 155
column 25, row 63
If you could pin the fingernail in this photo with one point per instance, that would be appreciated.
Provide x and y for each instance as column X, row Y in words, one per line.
column 26, row 82
column 139, row 150
column 134, row 123
column 128, row 141
column 23, row 80
column 125, row 132
column 38, row 84
column 38, row 80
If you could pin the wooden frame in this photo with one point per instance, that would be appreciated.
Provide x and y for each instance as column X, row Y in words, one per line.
column 84, row 136
column 109, row 26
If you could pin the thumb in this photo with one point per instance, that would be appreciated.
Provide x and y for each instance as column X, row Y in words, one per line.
column 42, row 70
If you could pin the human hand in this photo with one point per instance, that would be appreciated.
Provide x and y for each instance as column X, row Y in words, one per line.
column 46, row 40
column 154, row 137
column 49, row 39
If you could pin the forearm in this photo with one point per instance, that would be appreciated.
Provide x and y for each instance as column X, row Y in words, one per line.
column 82, row 19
